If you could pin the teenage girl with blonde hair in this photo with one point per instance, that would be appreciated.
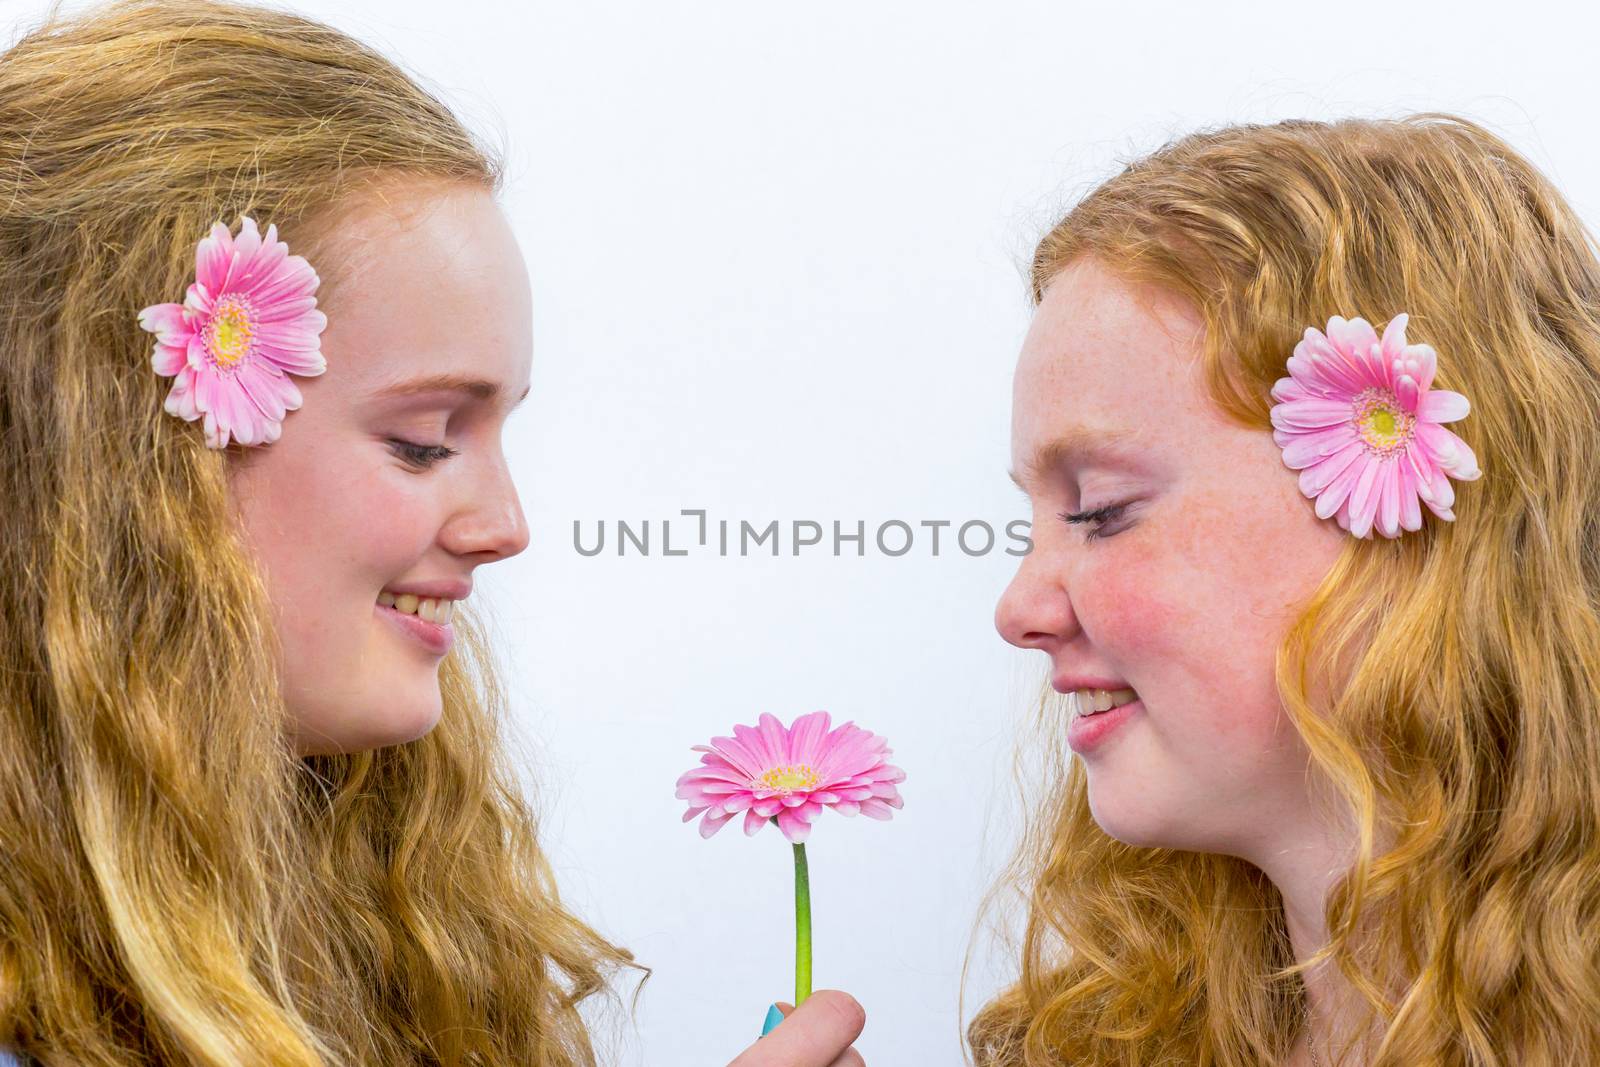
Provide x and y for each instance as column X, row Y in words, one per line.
column 261, row 324
column 1337, row 798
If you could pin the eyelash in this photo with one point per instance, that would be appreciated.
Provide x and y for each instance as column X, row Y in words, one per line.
column 422, row 456
column 1099, row 516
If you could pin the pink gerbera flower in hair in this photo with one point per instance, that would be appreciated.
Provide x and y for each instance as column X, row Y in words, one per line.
column 790, row 774
column 248, row 320
column 1357, row 418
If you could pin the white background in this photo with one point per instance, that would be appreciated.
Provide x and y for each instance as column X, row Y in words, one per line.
column 777, row 260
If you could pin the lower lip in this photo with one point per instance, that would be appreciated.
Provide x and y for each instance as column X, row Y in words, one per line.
column 1086, row 732
column 435, row 636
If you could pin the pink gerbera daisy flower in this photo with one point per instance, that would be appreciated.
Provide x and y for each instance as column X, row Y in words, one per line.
column 1358, row 420
column 791, row 773
column 248, row 320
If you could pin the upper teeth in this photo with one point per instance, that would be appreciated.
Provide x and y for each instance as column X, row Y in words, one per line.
column 1089, row 701
column 431, row 608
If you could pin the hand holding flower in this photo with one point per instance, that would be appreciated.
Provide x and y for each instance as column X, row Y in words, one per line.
column 816, row 1034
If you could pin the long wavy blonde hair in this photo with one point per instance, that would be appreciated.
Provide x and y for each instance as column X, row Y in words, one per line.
column 176, row 886
column 1445, row 682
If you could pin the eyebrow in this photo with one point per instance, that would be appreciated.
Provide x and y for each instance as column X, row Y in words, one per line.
column 477, row 388
column 1077, row 446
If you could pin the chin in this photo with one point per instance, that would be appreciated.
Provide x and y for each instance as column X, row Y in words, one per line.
column 382, row 728
column 1132, row 826
column 403, row 731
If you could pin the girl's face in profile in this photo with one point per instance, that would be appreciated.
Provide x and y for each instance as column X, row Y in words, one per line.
column 358, row 495
column 1184, row 595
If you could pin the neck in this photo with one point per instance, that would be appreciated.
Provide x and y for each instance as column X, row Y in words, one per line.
column 1304, row 863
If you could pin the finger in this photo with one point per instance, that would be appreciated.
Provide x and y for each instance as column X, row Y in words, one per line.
column 851, row 1058
column 840, row 1014
column 813, row 1035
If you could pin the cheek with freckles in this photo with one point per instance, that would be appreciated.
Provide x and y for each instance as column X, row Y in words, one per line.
column 1185, row 611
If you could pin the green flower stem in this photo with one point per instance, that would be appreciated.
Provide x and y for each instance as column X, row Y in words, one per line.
column 802, row 927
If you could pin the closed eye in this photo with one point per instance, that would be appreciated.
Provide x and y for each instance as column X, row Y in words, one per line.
column 1099, row 516
column 422, row 456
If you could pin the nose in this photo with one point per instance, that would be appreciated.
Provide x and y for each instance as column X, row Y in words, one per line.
column 1034, row 611
column 491, row 521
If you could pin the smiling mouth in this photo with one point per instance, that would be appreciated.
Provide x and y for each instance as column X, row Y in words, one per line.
column 1087, row 702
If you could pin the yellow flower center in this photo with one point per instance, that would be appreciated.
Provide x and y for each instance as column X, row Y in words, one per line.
column 1381, row 422
column 788, row 779
column 229, row 334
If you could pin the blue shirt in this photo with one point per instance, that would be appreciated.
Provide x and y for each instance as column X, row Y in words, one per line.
column 9, row 1058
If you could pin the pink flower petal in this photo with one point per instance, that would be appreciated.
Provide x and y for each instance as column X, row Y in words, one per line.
column 737, row 803
column 715, row 772
column 263, row 268
column 212, row 257
column 876, row 809
column 180, row 398
column 1352, row 336
column 793, row 827
column 1410, row 510
column 1319, row 476
column 806, row 737
column 1322, row 370
column 1389, row 499
column 1428, row 365
column 776, row 739
column 292, row 322
column 197, row 301
column 306, row 364
column 754, row 743
column 1364, row 498
column 270, row 391
column 293, row 277
column 168, row 323
column 1444, row 448
column 1302, row 448
column 197, row 357
column 1393, row 343
column 711, row 788
column 215, row 437
column 1288, row 390
column 1441, row 405
column 246, row 252
column 1311, row 414
column 713, row 822
column 167, row 360
column 234, row 414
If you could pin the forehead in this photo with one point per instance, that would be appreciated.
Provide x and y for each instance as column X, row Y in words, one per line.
column 1106, row 374
column 430, row 288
